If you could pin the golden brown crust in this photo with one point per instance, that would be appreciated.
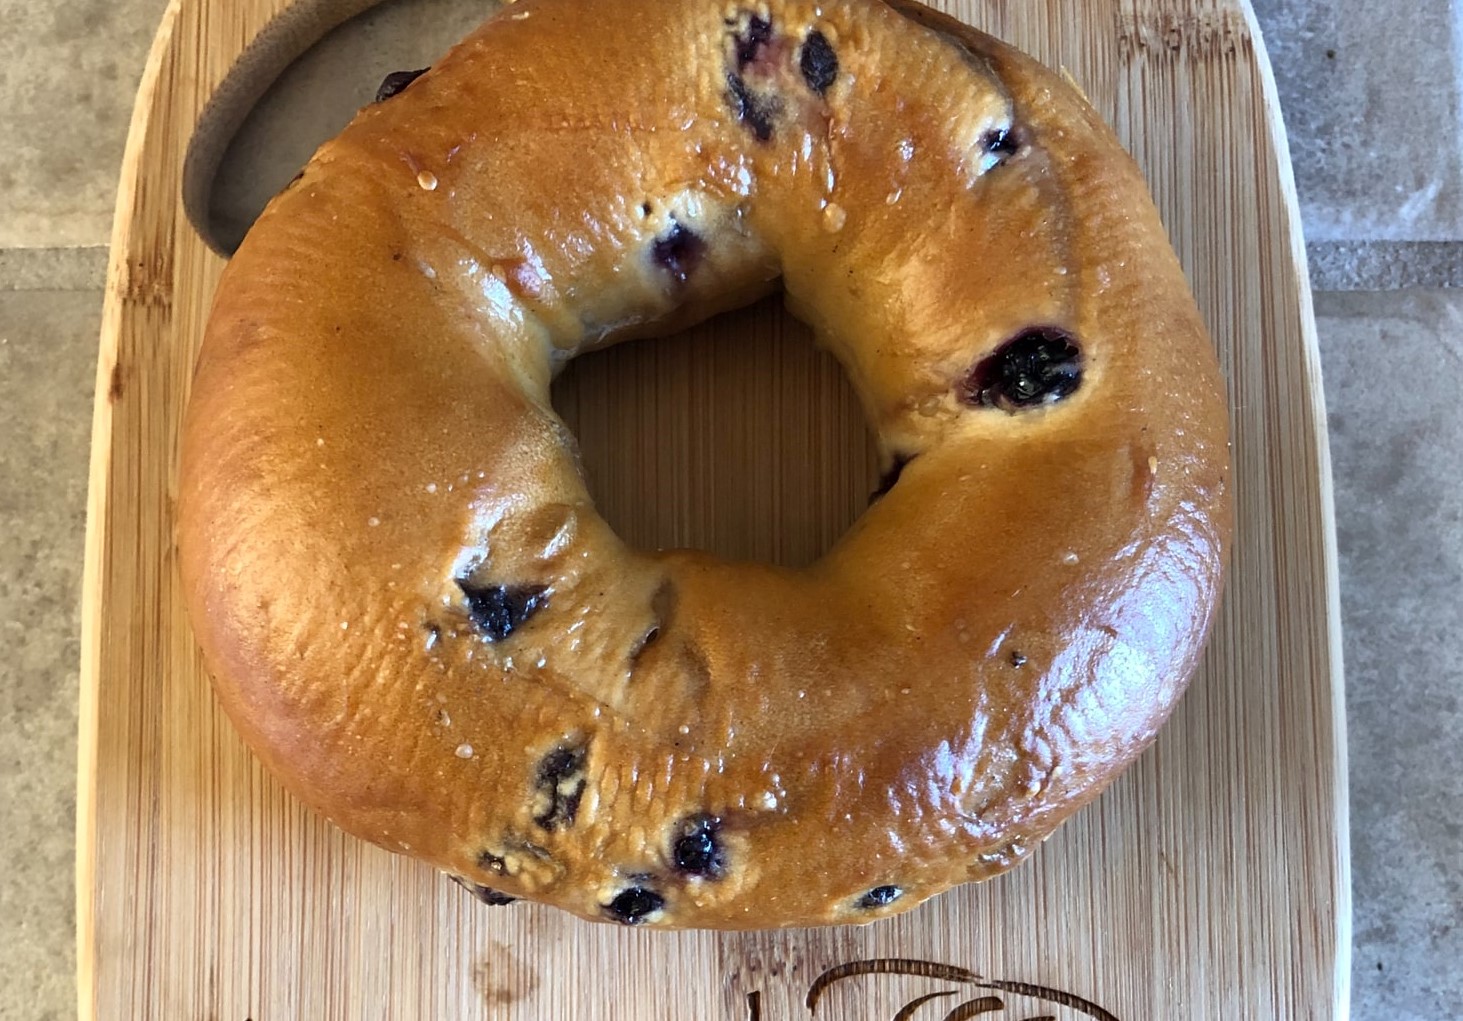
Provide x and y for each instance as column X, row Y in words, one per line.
column 375, row 485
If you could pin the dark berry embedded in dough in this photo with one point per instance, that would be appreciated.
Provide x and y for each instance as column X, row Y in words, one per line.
column 697, row 852
column 749, row 43
column 396, row 81
column 662, row 606
column 755, row 111
column 635, row 905
column 499, row 610
column 891, row 477
column 646, row 641
column 486, row 894
column 490, row 862
column 819, row 63
column 679, row 252
column 559, row 785
column 1000, row 143
column 1037, row 366
column 1018, row 659
column 880, row 897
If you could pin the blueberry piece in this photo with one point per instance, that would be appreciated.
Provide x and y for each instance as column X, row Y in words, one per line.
column 1038, row 366
column 486, row 894
column 648, row 639
column 880, row 897
column 560, row 786
column 749, row 44
column 819, row 63
column 396, row 81
column 756, row 112
column 490, row 862
column 662, row 607
column 697, row 851
column 679, row 252
column 633, row 906
column 1001, row 143
column 499, row 610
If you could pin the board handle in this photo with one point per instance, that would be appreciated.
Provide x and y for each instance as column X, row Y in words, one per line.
column 296, row 27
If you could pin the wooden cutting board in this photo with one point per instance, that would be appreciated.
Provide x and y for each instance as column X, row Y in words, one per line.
column 1210, row 882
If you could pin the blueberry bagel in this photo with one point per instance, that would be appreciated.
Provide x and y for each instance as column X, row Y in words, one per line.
column 416, row 618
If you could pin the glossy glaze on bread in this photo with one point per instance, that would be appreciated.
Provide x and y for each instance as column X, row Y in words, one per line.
column 413, row 613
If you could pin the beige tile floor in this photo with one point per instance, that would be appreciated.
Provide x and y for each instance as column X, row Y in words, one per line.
column 1374, row 111
column 47, row 359
column 1373, row 101
column 68, row 74
column 1391, row 362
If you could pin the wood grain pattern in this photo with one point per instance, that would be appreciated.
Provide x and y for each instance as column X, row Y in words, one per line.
column 1210, row 882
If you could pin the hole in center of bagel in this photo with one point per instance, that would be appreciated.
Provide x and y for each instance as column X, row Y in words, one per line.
column 737, row 437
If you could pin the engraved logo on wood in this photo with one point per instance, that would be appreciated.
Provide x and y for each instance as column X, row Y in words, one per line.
column 983, row 997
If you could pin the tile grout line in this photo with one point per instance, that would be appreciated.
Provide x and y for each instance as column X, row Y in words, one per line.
column 1335, row 266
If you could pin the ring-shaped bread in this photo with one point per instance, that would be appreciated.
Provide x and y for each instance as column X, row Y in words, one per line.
column 414, row 614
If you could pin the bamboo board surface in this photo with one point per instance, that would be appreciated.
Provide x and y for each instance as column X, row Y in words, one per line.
column 1211, row 881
